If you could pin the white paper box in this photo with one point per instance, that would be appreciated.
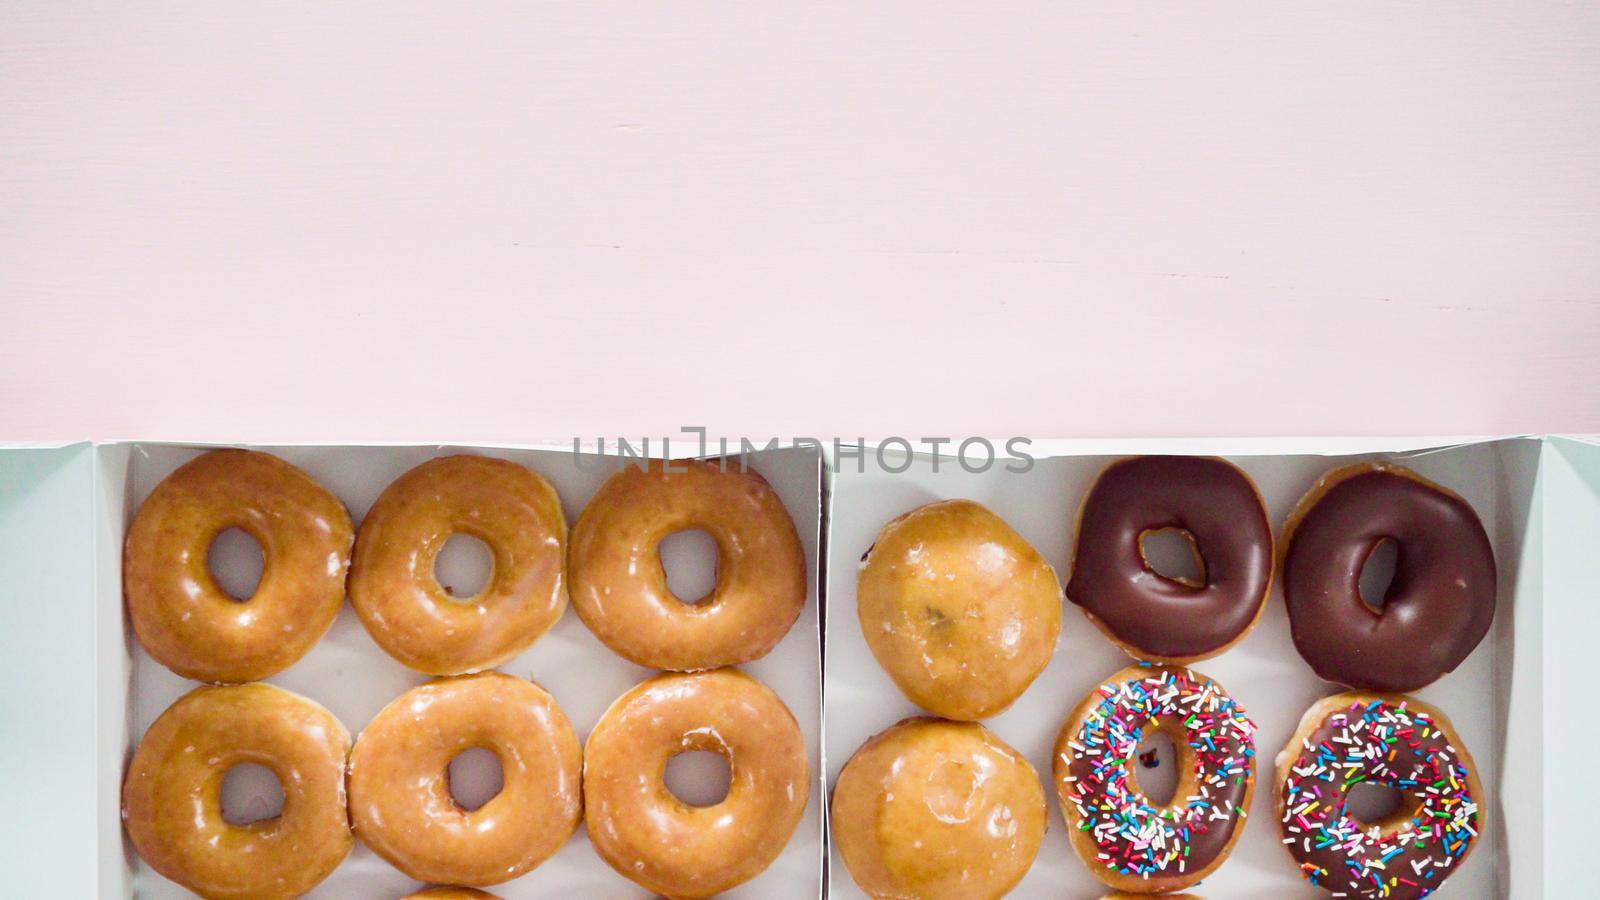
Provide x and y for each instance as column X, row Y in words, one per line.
column 1499, row 690
column 86, row 690
column 78, row 690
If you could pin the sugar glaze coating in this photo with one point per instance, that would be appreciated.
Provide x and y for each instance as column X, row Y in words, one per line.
column 958, row 608
column 412, row 617
column 172, row 793
column 656, row 840
column 179, row 613
column 400, row 801
column 937, row 809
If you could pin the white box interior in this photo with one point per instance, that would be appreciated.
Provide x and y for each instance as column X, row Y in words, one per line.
column 69, row 731
column 1493, row 698
column 348, row 673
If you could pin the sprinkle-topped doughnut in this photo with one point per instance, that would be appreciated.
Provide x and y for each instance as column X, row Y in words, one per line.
column 1128, row 841
column 1392, row 740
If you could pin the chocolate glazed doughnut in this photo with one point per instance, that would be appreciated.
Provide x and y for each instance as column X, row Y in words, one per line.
column 1439, row 605
column 1149, row 615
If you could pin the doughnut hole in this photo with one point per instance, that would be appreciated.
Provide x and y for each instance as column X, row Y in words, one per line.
column 1377, row 574
column 236, row 560
column 1154, row 766
column 698, row 777
column 1375, row 804
column 1173, row 554
column 689, row 559
column 475, row 777
column 251, row 793
column 463, row 566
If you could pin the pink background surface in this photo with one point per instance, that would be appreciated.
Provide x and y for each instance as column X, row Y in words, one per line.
column 411, row 221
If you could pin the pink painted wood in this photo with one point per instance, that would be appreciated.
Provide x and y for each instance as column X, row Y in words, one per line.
column 529, row 221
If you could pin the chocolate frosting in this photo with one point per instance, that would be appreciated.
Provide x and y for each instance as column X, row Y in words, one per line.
column 1164, row 618
column 1379, row 740
column 1439, row 605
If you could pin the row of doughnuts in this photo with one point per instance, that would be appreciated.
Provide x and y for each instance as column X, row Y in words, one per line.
column 188, row 623
column 397, row 769
column 962, row 614
column 391, row 787
column 936, row 808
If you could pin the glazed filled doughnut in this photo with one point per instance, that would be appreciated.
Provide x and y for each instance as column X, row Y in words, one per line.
column 450, row 893
column 960, row 610
column 172, row 796
column 937, row 809
column 1149, row 615
column 650, row 836
column 406, row 610
column 183, row 618
column 1439, row 605
column 1387, row 739
column 400, row 801
column 1128, row 841
column 620, row 589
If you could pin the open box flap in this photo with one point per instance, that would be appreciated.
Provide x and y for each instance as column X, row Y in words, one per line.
column 1570, row 490
column 47, row 664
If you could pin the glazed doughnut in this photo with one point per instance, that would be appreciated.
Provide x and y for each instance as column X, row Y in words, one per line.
column 937, row 809
column 1392, row 740
column 413, row 617
column 620, row 589
column 663, row 844
column 183, row 618
column 960, row 610
column 1121, row 895
column 400, row 801
column 1127, row 841
column 1440, row 603
column 451, row 893
column 172, row 796
column 1149, row 615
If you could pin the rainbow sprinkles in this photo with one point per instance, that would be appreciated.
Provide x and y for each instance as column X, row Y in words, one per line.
column 1133, row 837
column 1410, row 853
